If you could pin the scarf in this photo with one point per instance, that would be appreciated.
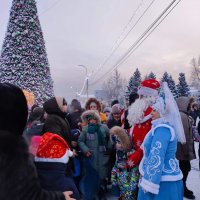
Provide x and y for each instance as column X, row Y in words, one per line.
column 95, row 128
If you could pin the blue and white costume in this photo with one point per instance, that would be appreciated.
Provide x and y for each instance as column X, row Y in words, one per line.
column 161, row 177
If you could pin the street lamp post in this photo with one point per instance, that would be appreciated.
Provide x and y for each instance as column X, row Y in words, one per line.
column 87, row 78
column 75, row 91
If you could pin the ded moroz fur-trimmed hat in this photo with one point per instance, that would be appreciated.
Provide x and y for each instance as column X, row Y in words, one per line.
column 53, row 148
column 149, row 87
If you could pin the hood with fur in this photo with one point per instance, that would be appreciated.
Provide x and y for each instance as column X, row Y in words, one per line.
column 54, row 106
column 182, row 103
column 122, row 135
column 88, row 113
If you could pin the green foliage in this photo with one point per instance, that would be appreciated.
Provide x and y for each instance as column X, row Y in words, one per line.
column 182, row 87
column 134, row 82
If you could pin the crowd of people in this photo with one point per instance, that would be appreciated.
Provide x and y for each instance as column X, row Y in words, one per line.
column 60, row 151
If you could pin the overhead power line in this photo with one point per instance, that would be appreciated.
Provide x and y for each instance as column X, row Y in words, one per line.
column 140, row 40
column 114, row 48
column 50, row 7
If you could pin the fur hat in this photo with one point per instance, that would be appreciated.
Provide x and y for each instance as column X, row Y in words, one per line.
column 149, row 87
column 116, row 109
column 13, row 109
column 53, row 148
column 90, row 114
column 121, row 134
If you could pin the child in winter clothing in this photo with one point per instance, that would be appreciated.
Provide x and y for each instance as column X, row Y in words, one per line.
column 51, row 160
column 95, row 144
column 75, row 133
column 124, row 180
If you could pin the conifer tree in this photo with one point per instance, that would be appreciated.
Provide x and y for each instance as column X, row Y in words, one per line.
column 151, row 76
column 172, row 86
column 165, row 77
column 23, row 59
column 182, row 87
column 134, row 81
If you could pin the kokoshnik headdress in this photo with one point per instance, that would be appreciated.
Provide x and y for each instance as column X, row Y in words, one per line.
column 167, row 107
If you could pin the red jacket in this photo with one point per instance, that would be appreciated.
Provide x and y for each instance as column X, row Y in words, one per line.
column 138, row 134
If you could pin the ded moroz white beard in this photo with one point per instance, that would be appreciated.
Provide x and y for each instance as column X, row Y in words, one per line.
column 137, row 109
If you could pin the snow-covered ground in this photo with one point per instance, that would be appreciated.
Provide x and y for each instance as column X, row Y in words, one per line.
column 193, row 181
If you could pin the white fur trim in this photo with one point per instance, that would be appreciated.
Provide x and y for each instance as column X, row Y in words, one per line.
column 149, row 186
column 149, row 116
column 147, row 91
column 172, row 177
column 63, row 159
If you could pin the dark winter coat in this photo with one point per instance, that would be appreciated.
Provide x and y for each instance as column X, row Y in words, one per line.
column 126, row 123
column 52, row 177
column 185, row 151
column 18, row 177
column 113, row 122
column 58, row 124
column 56, row 121
column 74, row 119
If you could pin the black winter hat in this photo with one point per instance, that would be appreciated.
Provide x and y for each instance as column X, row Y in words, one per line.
column 13, row 109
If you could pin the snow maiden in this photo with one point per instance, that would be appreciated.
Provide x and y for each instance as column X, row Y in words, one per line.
column 161, row 177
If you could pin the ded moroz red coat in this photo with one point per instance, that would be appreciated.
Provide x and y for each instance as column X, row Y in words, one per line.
column 138, row 134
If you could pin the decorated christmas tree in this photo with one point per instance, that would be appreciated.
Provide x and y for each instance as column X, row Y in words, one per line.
column 134, row 81
column 23, row 60
column 182, row 87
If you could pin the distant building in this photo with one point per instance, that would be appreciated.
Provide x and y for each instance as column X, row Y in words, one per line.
column 195, row 93
column 83, row 99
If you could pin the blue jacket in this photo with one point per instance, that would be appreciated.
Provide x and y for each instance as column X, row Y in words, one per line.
column 159, row 162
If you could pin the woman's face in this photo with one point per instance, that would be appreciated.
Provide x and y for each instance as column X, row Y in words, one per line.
column 64, row 108
column 93, row 107
column 155, row 114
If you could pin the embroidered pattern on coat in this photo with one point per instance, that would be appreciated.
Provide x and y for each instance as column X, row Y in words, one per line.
column 173, row 166
column 154, row 160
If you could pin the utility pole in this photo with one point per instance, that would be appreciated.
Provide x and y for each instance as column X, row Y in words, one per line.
column 87, row 79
